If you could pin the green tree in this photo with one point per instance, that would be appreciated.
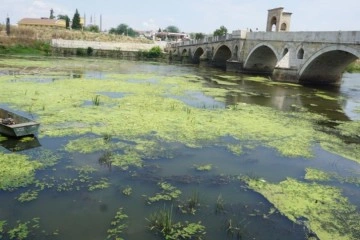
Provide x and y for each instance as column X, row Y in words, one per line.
column 76, row 21
column 124, row 29
column 52, row 14
column 222, row 31
column 93, row 28
column 66, row 18
column 172, row 29
column 199, row 36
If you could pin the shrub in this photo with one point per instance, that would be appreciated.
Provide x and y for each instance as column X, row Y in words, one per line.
column 89, row 51
column 80, row 52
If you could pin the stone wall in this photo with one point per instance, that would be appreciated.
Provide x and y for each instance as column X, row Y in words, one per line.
column 123, row 46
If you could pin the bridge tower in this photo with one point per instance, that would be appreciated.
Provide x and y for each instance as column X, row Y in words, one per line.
column 278, row 20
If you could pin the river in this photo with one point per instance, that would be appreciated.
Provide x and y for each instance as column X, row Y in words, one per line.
column 178, row 140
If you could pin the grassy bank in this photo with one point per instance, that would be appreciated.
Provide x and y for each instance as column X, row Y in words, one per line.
column 353, row 67
column 34, row 47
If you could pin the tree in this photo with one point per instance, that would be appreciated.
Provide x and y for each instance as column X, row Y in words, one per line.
column 93, row 28
column 172, row 29
column 52, row 14
column 76, row 21
column 222, row 31
column 199, row 36
column 66, row 18
column 124, row 29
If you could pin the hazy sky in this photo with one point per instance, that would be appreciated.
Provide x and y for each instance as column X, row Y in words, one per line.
column 194, row 15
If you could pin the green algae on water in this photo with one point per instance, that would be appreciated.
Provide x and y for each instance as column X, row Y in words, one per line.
column 16, row 171
column 313, row 174
column 147, row 112
column 317, row 175
column 329, row 214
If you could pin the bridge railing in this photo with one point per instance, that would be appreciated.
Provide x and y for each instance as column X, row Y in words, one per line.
column 204, row 40
column 343, row 37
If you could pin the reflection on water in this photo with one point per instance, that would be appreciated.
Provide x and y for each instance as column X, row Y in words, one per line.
column 350, row 91
column 20, row 144
column 71, row 210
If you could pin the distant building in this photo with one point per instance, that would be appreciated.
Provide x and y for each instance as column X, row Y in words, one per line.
column 42, row 22
column 172, row 36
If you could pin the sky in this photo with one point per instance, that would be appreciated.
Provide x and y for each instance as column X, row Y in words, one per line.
column 193, row 16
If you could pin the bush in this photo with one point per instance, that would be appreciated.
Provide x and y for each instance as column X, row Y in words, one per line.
column 154, row 52
column 89, row 51
column 80, row 52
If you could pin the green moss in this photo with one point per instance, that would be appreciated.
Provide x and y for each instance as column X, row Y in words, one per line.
column 16, row 170
column 329, row 214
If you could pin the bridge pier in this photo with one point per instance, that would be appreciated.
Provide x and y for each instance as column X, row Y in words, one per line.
column 234, row 66
column 285, row 75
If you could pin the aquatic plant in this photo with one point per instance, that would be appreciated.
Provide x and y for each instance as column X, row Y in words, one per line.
column 127, row 191
column 205, row 167
column 317, row 175
column 118, row 225
column 168, row 193
column 20, row 232
column 329, row 214
column 161, row 222
column 101, row 184
column 28, row 196
column 2, row 226
column 16, row 170
column 191, row 205
column 24, row 229
column 313, row 174
column 219, row 205
column 96, row 100
column 234, row 230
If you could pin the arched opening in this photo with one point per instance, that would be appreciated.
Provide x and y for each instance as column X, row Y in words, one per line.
column 221, row 56
column 283, row 27
column 286, row 50
column 197, row 55
column 273, row 23
column 326, row 68
column 261, row 60
column 184, row 53
column 300, row 54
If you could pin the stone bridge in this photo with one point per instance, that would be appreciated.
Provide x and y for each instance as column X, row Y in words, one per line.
column 301, row 57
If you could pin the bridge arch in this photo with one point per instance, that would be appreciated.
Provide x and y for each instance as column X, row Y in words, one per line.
column 184, row 52
column 327, row 65
column 262, row 58
column 197, row 54
column 222, row 54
